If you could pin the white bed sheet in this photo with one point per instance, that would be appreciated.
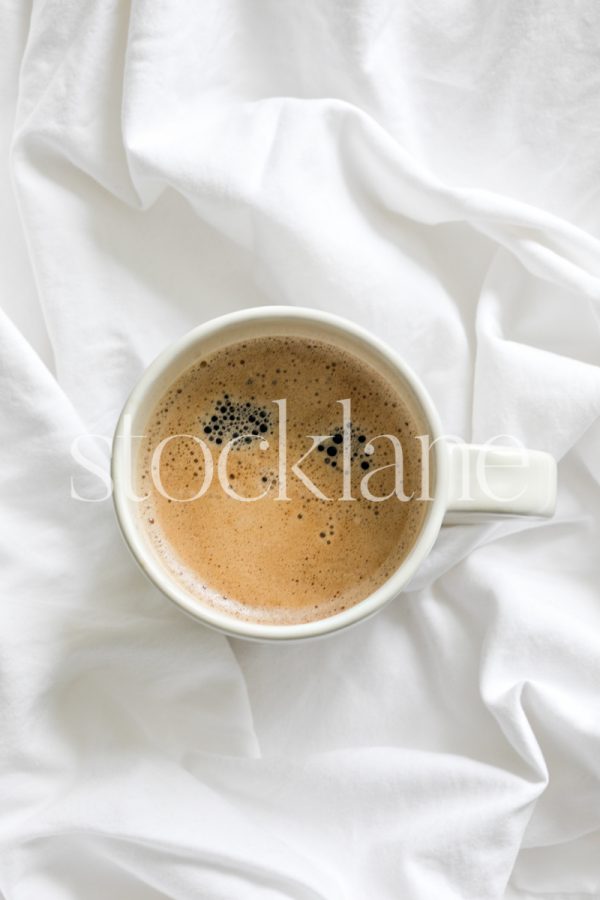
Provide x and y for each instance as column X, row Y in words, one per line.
column 429, row 170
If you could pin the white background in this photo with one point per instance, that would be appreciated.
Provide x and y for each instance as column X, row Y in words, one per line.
column 431, row 171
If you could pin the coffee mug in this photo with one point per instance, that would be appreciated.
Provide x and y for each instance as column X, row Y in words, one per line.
column 467, row 482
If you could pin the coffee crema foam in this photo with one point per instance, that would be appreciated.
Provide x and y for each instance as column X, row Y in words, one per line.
column 280, row 561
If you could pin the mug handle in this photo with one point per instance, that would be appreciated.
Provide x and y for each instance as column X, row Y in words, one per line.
column 490, row 481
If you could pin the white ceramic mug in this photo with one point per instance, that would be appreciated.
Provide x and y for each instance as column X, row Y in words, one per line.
column 525, row 478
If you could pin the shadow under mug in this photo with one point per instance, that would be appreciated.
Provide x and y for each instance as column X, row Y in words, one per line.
column 527, row 478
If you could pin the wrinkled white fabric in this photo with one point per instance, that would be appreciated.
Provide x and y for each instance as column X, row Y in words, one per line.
column 429, row 170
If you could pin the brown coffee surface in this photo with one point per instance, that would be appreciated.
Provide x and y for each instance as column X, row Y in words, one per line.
column 275, row 560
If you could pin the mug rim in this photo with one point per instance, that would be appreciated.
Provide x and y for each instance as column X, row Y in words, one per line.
column 159, row 575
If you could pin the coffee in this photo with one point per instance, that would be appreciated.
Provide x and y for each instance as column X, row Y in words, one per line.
column 277, row 534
